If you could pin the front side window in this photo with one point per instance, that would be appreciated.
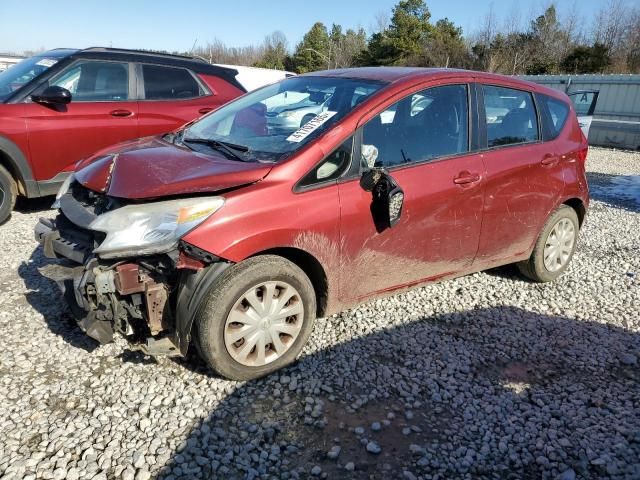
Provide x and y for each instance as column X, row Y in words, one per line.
column 90, row 81
column 331, row 167
column 430, row 124
column 510, row 115
column 168, row 83
column 271, row 123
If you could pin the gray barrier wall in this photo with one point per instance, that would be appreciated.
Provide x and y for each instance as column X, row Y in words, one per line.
column 616, row 121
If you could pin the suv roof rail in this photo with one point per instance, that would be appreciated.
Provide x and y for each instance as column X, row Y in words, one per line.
column 150, row 53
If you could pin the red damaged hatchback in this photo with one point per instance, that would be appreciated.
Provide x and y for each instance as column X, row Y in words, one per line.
column 233, row 235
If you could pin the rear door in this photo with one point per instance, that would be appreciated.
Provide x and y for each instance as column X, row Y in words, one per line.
column 584, row 102
column 102, row 112
column 523, row 175
column 170, row 97
column 423, row 142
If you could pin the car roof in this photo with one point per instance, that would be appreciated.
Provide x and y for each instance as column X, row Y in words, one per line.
column 406, row 74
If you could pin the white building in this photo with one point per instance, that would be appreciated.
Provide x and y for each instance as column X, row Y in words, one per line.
column 7, row 59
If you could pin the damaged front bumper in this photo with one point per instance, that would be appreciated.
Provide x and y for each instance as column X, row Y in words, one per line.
column 150, row 300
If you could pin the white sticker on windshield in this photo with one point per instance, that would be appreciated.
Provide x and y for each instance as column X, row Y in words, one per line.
column 309, row 127
column 47, row 62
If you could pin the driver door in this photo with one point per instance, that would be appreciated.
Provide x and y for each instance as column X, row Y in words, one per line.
column 422, row 141
column 584, row 102
column 103, row 111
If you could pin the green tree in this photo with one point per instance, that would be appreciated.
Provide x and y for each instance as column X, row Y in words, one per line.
column 550, row 43
column 275, row 52
column 583, row 59
column 445, row 46
column 312, row 53
column 405, row 39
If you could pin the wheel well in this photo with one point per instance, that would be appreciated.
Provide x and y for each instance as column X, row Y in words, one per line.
column 6, row 162
column 578, row 206
column 312, row 268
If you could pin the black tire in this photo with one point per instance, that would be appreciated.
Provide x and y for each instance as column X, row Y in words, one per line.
column 8, row 194
column 210, row 321
column 534, row 267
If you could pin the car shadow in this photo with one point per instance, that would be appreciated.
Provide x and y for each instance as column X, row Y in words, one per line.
column 496, row 392
column 621, row 191
column 32, row 205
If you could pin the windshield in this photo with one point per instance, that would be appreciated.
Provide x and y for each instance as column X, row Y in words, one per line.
column 21, row 73
column 273, row 122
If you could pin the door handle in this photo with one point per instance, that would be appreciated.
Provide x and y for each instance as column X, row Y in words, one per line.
column 464, row 178
column 121, row 113
column 549, row 160
column 205, row 110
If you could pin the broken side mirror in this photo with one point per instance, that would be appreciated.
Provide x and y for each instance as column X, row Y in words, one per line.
column 388, row 197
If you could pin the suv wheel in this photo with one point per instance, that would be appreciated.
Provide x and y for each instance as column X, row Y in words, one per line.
column 8, row 194
column 256, row 318
column 554, row 248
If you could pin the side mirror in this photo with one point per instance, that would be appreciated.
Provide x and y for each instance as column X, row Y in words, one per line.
column 53, row 95
column 388, row 197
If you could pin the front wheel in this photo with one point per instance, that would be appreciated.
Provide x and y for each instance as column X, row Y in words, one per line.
column 8, row 194
column 256, row 319
column 554, row 248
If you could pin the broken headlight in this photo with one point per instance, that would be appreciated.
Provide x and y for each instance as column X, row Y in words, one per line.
column 64, row 188
column 151, row 228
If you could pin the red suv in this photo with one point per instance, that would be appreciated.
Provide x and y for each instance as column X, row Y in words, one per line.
column 63, row 105
column 235, row 236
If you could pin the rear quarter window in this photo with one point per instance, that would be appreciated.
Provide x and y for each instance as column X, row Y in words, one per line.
column 556, row 118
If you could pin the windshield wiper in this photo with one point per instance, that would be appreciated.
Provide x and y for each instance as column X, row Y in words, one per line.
column 229, row 148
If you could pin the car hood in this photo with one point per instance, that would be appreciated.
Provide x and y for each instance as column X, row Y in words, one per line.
column 152, row 167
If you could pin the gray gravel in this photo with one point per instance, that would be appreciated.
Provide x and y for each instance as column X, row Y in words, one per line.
column 487, row 376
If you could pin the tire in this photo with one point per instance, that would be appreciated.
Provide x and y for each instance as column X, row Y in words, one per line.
column 534, row 268
column 230, row 291
column 8, row 194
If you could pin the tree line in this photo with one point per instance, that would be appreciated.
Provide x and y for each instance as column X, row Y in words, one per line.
column 546, row 43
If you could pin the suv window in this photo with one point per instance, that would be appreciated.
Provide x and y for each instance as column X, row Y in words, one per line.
column 91, row 81
column 426, row 125
column 169, row 83
column 510, row 115
column 331, row 167
column 558, row 113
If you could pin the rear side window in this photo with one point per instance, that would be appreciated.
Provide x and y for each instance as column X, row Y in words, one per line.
column 168, row 83
column 558, row 113
column 510, row 115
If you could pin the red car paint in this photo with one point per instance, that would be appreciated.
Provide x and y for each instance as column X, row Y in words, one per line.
column 40, row 143
column 447, row 229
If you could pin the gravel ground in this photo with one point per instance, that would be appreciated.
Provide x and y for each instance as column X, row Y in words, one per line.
column 487, row 376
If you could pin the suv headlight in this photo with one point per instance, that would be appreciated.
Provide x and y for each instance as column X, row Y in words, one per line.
column 151, row 228
column 64, row 188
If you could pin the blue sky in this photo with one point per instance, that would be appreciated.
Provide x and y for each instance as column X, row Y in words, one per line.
column 176, row 25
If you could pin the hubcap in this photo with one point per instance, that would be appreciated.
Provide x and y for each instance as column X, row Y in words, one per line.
column 559, row 245
column 263, row 323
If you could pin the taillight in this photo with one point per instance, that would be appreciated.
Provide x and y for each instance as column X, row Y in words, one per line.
column 582, row 153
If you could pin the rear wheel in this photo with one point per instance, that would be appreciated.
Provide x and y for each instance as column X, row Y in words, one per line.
column 554, row 248
column 8, row 194
column 256, row 319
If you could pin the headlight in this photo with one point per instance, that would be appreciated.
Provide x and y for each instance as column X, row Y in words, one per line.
column 288, row 114
column 151, row 227
column 64, row 188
